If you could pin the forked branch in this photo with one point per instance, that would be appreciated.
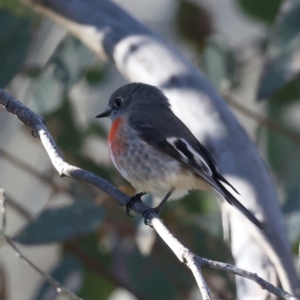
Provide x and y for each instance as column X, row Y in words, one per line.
column 194, row 262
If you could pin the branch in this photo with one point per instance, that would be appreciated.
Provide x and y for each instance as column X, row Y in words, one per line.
column 141, row 55
column 264, row 121
column 58, row 287
column 32, row 171
column 37, row 124
column 204, row 262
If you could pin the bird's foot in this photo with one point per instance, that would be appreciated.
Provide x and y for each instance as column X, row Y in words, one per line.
column 146, row 213
column 132, row 200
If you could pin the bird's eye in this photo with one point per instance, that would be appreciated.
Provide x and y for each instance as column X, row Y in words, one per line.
column 118, row 102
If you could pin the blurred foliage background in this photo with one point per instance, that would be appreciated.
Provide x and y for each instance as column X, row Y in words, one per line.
column 97, row 251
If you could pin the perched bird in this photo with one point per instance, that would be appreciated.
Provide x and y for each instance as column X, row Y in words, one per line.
column 156, row 152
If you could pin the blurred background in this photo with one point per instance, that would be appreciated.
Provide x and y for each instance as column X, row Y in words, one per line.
column 249, row 50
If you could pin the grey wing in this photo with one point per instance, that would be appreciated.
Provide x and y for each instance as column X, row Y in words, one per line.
column 194, row 157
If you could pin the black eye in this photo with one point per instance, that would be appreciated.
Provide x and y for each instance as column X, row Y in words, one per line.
column 118, row 102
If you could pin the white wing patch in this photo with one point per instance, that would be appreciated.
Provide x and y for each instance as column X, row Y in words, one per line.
column 172, row 142
column 196, row 156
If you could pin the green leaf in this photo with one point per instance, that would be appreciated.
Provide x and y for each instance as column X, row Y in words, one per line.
column 70, row 138
column 95, row 129
column 95, row 75
column 218, row 62
column 69, row 273
column 95, row 286
column 265, row 11
column 282, row 63
column 282, row 151
column 292, row 203
column 63, row 70
column 19, row 10
column 15, row 37
column 59, row 224
column 147, row 275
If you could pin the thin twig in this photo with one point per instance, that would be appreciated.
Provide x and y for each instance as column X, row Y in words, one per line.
column 265, row 121
column 30, row 170
column 36, row 122
column 204, row 262
column 141, row 55
column 78, row 251
column 192, row 261
column 58, row 287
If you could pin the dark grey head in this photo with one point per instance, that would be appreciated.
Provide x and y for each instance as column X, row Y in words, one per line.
column 134, row 96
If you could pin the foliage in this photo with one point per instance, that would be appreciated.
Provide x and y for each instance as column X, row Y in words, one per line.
column 111, row 240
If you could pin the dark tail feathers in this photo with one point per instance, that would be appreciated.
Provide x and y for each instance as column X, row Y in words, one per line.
column 233, row 201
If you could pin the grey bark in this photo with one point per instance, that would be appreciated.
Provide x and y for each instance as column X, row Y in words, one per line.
column 141, row 55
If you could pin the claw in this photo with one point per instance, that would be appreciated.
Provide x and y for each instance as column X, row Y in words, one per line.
column 34, row 134
column 132, row 200
column 128, row 207
column 146, row 213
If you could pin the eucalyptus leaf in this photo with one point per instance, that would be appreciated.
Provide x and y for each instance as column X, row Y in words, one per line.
column 292, row 203
column 282, row 63
column 59, row 224
column 218, row 62
column 15, row 37
column 284, row 107
column 69, row 273
column 262, row 10
column 63, row 70
column 95, row 287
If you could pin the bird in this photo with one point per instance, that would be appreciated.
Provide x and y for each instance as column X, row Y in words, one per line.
column 157, row 153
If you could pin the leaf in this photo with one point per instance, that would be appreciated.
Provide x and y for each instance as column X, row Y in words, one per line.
column 282, row 63
column 15, row 37
column 265, row 11
column 283, row 152
column 95, row 129
column 95, row 75
column 218, row 62
column 292, row 203
column 70, row 138
column 69, row 273
column 62, row 71
column 59, row 224
column 18, row 9
column 95, row 287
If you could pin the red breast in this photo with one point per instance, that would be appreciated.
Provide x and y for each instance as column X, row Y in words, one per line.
column 115, row 139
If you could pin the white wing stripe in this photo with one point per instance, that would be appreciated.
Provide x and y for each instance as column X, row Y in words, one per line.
column 198, row 158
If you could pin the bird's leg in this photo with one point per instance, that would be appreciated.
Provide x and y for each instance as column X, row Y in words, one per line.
column 146, row 213
column 133, row 199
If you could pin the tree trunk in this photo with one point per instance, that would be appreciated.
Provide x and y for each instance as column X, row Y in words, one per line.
column 140, row 55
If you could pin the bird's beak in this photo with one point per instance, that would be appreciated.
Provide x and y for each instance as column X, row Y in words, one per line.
column 104, row 114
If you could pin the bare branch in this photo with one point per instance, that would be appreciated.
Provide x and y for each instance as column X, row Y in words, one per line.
column 141, row 55
column 194, row 262
column 264, row 121
column 28, row 169
column 204, row 262
column 58, row 287
column 77, row 250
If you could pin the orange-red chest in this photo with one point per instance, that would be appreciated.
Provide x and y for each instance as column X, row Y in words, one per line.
column 115, row 139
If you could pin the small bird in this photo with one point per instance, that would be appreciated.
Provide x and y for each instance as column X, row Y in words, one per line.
column 156, row 152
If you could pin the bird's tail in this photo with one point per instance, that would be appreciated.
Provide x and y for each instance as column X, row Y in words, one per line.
column 234, row 202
